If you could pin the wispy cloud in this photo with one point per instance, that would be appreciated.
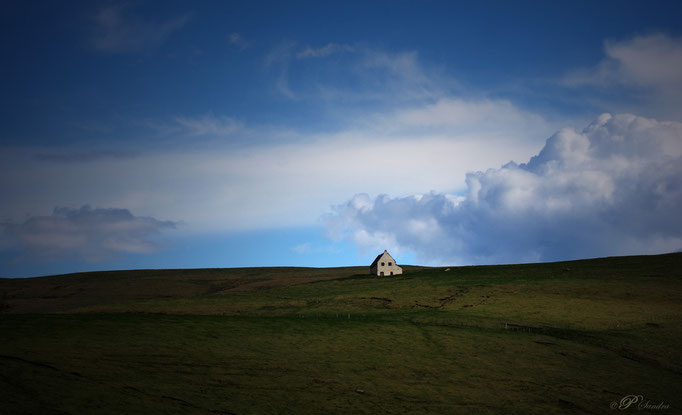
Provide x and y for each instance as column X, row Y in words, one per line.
column 280, row 54
column 258, row 176
column 650, row 65
column 323, row 51
column 280, row 58
column 279, row 178
column 308, row 248
column 612, row 189
column 239, row 41
column 218, row 126
column 368, row 75
column 119, row 30
column 404, row 71
column 266, row 175
column 455, row 115
column 648, row 61
column 83, row 156
column 91, row 234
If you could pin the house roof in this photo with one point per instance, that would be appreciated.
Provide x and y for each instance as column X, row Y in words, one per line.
column 379, row 256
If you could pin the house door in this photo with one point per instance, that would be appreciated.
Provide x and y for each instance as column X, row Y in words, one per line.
column 381, row 273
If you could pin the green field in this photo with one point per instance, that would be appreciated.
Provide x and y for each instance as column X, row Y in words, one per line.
column 569, row 337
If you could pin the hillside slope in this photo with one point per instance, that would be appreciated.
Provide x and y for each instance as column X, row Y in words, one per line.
column 62, row 293
column 569, row 337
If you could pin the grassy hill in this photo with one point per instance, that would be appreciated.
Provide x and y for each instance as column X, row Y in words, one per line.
column 569, row 337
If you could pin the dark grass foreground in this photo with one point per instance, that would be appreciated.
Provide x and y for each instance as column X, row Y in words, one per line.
column 569, row 337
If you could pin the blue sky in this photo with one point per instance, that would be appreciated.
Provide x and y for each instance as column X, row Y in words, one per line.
column 219, row 134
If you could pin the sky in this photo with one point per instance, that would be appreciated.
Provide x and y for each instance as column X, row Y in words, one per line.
column 164, row 134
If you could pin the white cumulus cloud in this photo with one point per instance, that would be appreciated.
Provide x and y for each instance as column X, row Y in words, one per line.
column 613, row 188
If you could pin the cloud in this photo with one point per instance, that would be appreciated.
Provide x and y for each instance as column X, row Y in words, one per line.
column 238, row 41
column 614, row 188
column 209, row 125
column 280, row 57
column 403, row 71
column 365, row 75
column 456, row 115
column 280, row 54
column 273, row 177
column 119, row 31
column 92, row 234
column 304, row 248
column 649, row 66
column 83, row 156
column 653, row 60
column 324, row 51
column 381, row 77
column 308, row 248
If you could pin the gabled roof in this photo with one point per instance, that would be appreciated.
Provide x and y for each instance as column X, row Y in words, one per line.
column 379, row 256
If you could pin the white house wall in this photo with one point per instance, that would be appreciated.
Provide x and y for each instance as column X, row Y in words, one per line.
column 387, row 269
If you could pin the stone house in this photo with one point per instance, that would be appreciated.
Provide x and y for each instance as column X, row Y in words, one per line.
column 384, row 265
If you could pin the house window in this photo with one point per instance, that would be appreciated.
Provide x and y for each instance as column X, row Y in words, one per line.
column 390, row 263
column 383, row 263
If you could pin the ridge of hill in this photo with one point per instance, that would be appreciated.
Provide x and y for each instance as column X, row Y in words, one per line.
column 259, row 290
column 62, row 293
